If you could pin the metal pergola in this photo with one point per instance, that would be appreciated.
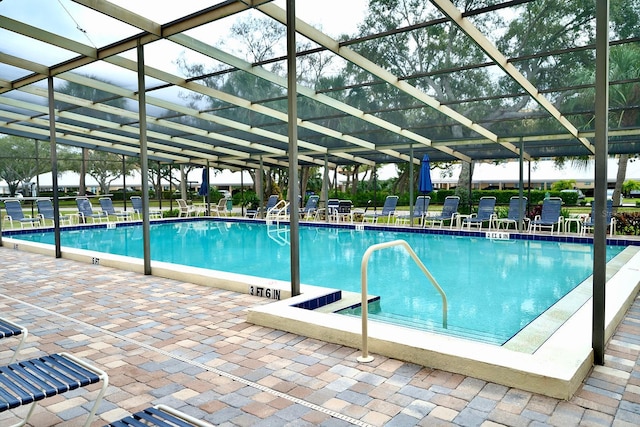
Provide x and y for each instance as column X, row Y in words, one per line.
column 148, row 110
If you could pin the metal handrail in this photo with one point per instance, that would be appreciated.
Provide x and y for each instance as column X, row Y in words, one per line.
column 363, row 269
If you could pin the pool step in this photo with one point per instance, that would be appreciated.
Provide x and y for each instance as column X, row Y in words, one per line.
column 451, row 330
column 348, row 300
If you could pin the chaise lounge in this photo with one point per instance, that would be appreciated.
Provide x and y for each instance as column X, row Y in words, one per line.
column 27, row 382
column 14, row 213
column 10, row 329
column 388, row 210
column 159, row 416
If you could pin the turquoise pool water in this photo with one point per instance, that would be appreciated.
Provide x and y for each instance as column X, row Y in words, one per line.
column 494, row 287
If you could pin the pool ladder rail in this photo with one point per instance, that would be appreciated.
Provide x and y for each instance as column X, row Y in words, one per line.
column 363, row 272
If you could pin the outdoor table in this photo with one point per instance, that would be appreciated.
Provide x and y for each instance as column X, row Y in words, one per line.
column 577, row 220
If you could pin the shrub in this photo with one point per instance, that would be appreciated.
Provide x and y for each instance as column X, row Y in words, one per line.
column 248, row 199
column 628, row 223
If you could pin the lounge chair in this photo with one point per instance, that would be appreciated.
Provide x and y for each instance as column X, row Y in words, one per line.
column 11, row 329
column 136, row 203
column 185, row 209
column 271, row 202
column 610, row 219
column 159, row 416
column 45, row 212
column 419, row 211
column 15, row 213
column 486, row 213
column 388, row 210
column 27, row 382
column 516, row 214
column 449, row 213
column 220, row 208
column 550, row 217
column 107, row 207
column 310, row 208
column 85, row 211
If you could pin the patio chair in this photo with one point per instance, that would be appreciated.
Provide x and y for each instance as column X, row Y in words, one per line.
column 516, row 214
column 388, row 210
column 328, row 212
column 27, row 382
column 486, row 213
column 449, row 213
column 159, row 416
column 420, row 209
column 45, row 212
column 10, row 329
column 610, row 220
column 185, row 209
column 310, row 208
column 136, row 203
column 220, row 208
column 85, row 211
column 107, row 207
column 15, row 213
column 550, row 217
column 342, row 213
column 271, row 202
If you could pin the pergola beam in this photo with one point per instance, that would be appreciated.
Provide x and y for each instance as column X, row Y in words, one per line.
column 324, row 40
column 453, row 13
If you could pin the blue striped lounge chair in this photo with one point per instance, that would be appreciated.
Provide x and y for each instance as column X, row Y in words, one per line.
column 486, row 214
column 30, row 381
column 159, row 416
column 15, row 213
column 85, row 211
column 550, row 217
column 10, row 329
column 388, row 210
column 449, row 213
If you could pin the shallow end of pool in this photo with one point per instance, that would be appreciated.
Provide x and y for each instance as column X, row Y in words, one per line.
column 554, row 366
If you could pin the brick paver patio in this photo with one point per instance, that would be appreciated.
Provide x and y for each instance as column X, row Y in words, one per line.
column 189, row 346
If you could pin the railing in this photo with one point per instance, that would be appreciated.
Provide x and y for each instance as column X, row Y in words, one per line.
column 280, row 212
column 365, row 260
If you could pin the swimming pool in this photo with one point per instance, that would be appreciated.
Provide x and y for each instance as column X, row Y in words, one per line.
column 494, row 287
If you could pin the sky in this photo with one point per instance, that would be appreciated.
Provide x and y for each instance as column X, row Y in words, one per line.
column 71, row 20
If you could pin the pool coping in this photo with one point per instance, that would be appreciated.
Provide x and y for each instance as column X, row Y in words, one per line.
column 556, row 368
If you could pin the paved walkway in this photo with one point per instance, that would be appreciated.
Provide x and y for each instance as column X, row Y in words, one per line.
column 189, row 346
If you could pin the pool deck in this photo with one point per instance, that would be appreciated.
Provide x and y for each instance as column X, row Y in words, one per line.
column 191, row 347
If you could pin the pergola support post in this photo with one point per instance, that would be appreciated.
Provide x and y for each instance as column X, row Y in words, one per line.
column 292, row 94
column 54, row 168
column 144, row 166
column 599, row 192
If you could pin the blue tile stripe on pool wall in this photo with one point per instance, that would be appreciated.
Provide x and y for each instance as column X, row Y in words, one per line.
column 621, row 241
column 320, row 301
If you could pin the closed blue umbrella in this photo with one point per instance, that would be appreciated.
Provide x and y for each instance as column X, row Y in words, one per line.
column 425, row 185
column 204, row 187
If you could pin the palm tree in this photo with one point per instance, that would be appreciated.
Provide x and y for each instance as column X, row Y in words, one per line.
column 624, row 98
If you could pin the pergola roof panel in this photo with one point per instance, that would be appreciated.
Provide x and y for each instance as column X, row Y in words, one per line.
column 218, row 104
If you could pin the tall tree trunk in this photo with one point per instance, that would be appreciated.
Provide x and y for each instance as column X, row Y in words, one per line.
column 623, row 160
column 183, row 183
column 83, row 172
column 354, row 189
column 305, row 171
column 464, row 181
